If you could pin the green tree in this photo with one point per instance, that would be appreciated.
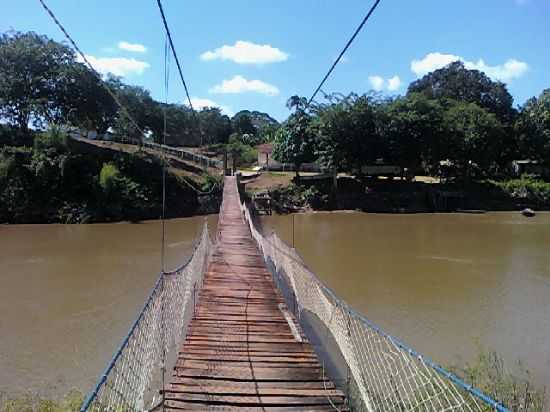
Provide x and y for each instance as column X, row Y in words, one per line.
column 30, row 78
column 456, row 82
column 412, row 127
column 475, row 136
column 347, row 134
column 533, row 128
column 83, row 101
column 294, row 141
column 215, row 126
column 181, row 125
column 139, row 104
column 42, row 83
column 268, row 133
column 241, row 154
column 259, row 120
column 243, row 124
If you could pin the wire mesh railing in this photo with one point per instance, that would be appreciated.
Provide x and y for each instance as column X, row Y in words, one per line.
column 383, row 374
column 134, row 378
column 186, row 154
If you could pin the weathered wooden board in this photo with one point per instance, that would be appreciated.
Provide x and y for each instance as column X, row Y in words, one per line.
column 239, row 351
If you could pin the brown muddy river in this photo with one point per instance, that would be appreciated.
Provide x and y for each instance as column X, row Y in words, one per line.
column 446, row 284
column 442, row 283
column 69, row 293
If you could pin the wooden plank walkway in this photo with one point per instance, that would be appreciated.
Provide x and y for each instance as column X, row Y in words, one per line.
column 240, row 351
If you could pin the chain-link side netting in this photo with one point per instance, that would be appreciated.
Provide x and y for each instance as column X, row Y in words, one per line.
column 185, row 154
column 383, row 374
column 133, row 379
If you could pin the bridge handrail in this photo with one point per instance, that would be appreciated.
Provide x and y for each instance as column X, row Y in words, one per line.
column 440, row 369
column 367, row 396
column 184, row 153
column 168, row 302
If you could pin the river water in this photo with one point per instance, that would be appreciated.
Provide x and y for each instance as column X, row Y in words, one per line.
column 442, row 283
column 446, row 284
column 69, row 293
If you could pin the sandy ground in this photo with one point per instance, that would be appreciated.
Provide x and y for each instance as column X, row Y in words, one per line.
column 269, row 180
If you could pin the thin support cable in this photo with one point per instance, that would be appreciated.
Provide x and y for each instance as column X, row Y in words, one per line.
column 169, row 35
column 180, row 71
column 92, row 69
column 343, row 51
column 163, row 249
column 163, row 156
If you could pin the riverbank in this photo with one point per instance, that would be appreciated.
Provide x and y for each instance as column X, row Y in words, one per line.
column 397, row 196
column 57, row 179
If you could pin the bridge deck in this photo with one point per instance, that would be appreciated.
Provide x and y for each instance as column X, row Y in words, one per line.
column 241, row 351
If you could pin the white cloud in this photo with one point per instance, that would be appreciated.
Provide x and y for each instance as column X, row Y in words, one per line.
column 119, row 66
column 244, row 52
column 239, row 84
column 200, row 103
column 431, row 62
column 394, row 83
column 132, row 47
column 506, row 72
column 378, row 83
column 511, row 69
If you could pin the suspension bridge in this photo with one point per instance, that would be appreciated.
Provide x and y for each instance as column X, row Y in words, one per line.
column 244, row 324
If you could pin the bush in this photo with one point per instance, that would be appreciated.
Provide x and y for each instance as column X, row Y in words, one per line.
column 55, row 138
column 109, row 177
column 34, row 403
column 123, row 196
column 7, row 164
column 245, row 155
column 10, row 136
column 315, row 198
column 249, row 156
column 489, row 375
column 212, row 183
column 527, row 188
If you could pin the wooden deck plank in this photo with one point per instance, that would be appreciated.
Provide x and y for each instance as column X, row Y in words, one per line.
column 239, row 351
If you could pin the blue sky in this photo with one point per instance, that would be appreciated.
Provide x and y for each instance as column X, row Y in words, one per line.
column 274, row 49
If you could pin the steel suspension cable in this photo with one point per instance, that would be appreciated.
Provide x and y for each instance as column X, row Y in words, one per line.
column 163, row 153
column 348, row 44
column 180, row 71
column 169, row 35
column 91, row 67
column 163, row 218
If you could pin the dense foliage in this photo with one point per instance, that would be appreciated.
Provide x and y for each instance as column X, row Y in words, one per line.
column 59, row 180
column 46, row 91
column 294, row 142
column 452, row 116
column 489, row 374
column 42, row 82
